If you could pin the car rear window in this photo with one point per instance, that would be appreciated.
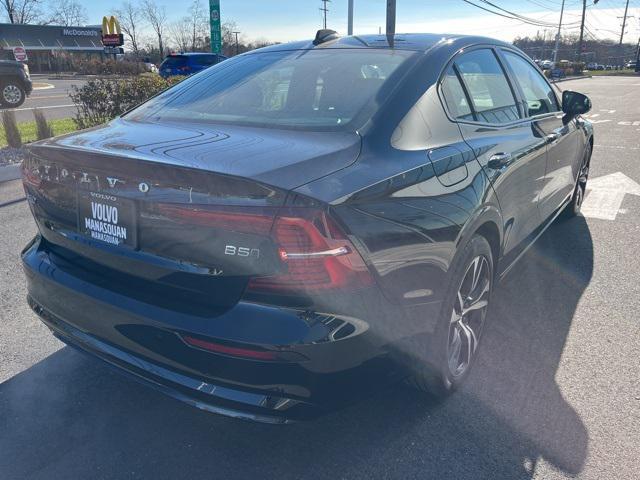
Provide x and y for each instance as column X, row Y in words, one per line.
column 313, row 89
column 174, row 61
column 204, row 59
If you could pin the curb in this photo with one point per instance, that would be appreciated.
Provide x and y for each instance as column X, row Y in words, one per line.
column 581, row 77
column 10, row 172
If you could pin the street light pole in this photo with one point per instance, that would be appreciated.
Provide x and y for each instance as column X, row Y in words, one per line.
column 237, row 46
column 555, row 51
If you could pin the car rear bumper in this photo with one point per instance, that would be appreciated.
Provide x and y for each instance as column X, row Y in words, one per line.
column 28, row 86
column 144, row 340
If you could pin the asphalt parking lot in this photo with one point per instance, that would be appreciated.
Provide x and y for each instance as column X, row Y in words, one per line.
column 54, row 102
column 556, row 394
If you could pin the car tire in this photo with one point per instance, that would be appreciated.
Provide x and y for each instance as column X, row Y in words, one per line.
column 12, row 94
column 575, row 205
column 442, row 373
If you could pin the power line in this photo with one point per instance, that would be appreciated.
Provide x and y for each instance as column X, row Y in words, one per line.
column 517, row 15
column 511, row 15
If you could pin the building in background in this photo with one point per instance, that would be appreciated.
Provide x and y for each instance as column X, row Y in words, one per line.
column 51, row 48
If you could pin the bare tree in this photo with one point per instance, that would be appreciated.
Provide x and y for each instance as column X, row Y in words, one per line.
column 198, row 24
column 130, row 18
column 180, row 32
column 22, row 11
column 157, row 17
column 68, row 13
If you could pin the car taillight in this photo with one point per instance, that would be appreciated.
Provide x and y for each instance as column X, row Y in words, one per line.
column 315, row 256
column 313, row 252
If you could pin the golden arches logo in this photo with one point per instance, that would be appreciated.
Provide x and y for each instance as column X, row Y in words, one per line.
column 110, row 26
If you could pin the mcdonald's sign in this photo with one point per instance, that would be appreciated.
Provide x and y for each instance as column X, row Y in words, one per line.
column 111, row 34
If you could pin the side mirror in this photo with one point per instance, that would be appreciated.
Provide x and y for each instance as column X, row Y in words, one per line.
column 574, row 103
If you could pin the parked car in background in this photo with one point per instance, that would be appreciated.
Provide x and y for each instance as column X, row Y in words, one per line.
column 631, row 64
column 15, row 83
column 151, row 67
column 188, row 63
column 592, row 66
column 309, row 222
column 546, row 64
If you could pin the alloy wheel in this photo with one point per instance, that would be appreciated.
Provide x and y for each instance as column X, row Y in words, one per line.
column 11, row 94
column 468, row 315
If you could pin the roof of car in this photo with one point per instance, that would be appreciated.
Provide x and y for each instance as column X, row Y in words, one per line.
column 400, row 41
column 189, row 54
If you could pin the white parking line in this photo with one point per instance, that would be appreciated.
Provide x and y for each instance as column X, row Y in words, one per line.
column 38, row 97
column 618, row 147
column 42, row 108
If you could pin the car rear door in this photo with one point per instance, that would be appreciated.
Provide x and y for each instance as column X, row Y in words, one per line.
column 562, row 138
column 510, row 149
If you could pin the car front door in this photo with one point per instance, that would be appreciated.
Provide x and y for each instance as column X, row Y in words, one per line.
column 563, row 150
column 510, row 149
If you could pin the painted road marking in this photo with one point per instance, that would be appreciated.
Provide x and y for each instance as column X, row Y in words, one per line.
column 42, row 97
column 619, row 147
column 605, row 195
column 42, row 86
column 43, row 108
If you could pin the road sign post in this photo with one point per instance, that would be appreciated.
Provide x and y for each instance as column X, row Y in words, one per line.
column 214, row 23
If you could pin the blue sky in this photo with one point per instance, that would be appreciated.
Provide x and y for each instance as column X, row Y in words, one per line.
column 284, row 20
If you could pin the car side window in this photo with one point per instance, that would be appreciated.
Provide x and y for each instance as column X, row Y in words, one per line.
column 455, row 97
column 485, row 81
column 538, row 95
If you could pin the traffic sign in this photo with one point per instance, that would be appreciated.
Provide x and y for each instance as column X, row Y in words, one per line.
column 20, row 54
column 215, row 28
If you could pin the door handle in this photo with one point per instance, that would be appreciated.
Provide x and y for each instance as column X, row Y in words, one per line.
column 552, row 137
column 499, row 160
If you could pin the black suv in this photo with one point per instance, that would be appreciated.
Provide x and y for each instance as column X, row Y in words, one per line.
column 15, row 83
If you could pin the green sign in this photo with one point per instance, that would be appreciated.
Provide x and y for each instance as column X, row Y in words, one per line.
column 214, row 22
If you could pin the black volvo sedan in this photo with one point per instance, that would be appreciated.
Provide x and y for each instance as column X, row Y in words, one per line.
column 300, row 225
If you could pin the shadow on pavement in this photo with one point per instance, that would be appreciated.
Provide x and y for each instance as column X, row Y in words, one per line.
column 71, row 417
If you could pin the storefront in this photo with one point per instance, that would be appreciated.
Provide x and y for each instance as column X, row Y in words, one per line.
column 51, row 48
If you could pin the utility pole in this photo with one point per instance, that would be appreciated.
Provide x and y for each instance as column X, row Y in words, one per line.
column 584, row 11
column 324, row 11
column 237, row 45
column 555, row 51
column 624, row 22
column 350, row 19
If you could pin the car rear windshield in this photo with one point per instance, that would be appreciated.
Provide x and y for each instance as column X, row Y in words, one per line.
column 174, row 61
column 309, row 89
column 205, row 59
